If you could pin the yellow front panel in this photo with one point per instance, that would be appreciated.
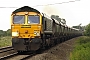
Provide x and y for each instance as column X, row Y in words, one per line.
column 26, row 30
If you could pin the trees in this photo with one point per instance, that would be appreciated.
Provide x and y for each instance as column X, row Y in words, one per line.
column 8, row 32
column 87, row 30
column 56, row 17
column 5, row 33
column 63, row 21
column 1, row 33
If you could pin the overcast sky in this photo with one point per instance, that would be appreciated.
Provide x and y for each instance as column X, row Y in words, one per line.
column 74, row 12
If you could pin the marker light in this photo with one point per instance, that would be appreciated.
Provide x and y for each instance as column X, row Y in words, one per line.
column 15, row 34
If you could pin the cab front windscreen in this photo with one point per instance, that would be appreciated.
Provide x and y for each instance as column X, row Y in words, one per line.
column 18, row 19
column 33, row 19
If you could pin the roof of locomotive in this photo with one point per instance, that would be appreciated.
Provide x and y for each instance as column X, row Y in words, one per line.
column 25, row 9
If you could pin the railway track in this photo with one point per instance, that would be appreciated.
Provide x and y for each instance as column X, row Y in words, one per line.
column 10, row 55
column 16, row 56
column 20, row 56
column 6, row 49
column 13, row 55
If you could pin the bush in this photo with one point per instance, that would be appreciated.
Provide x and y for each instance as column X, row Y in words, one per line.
column 5, row 33
column 5, row 41
column 87, row 30
column 81, row 50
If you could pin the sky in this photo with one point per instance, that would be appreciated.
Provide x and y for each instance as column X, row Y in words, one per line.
column 73, row 12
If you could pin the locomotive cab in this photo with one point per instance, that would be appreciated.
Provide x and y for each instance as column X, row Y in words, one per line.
column 26, row 26
column 26, row 29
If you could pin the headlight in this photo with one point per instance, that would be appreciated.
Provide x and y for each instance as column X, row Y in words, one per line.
column 36, row 33
column 12, row 26
column 15, row 34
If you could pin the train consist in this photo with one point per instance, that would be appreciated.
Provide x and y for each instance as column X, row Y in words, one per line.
column 32, row 30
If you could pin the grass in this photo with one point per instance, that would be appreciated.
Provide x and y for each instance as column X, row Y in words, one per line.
column 82, row 49
column 5, row 41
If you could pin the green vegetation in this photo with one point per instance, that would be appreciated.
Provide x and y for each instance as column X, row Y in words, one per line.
column 58, row 19
column 5, row 38
column 5, row 41
column 5, row 33
column 81, row 50
column 87, row 30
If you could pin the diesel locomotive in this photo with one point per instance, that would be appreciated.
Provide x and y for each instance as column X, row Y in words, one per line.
column 32, row 30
